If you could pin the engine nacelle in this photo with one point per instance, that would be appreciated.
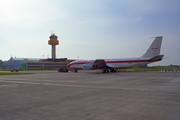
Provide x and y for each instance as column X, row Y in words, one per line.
column 89, row 66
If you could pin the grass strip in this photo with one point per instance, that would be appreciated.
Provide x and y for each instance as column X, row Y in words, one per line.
column 15, row 73
column 27, row 70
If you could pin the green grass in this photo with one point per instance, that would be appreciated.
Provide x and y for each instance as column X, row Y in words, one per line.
column 4, row 69
column 153, row 68
column 37, row 70
column 15, row 73
column 166, row 67
column 26, row 70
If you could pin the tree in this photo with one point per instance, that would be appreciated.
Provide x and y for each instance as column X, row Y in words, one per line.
column 1, row 63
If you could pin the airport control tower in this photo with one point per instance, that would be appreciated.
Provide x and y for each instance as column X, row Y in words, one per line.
column 53, row 41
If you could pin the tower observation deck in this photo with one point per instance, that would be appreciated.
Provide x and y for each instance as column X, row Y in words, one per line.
column 53, row 42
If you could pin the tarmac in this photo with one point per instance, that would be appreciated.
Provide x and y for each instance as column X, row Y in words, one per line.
column 90, row 95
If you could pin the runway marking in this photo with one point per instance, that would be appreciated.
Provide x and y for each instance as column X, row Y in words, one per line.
column 65, row 85
column 13, row 79
column 20, row 82
column 8, row 85
column 80, row 86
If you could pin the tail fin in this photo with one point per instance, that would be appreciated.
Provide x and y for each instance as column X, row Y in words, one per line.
column 154, row 49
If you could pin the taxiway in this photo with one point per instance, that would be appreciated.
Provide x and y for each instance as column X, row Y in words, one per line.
column 92, row 95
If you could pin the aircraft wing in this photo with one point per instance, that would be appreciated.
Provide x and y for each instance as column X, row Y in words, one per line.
column 100, row 61
column 112, row 66
column 100, row 64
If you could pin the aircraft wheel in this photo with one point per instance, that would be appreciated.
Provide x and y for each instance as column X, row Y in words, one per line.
column 107, row 71
column 75, row 71
column 114, row 71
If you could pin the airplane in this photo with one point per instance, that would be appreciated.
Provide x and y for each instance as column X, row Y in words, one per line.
column 110, row 65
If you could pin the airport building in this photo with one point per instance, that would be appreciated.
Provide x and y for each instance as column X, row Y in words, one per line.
column 35, row 63
column 47, row 64
column 18, row 62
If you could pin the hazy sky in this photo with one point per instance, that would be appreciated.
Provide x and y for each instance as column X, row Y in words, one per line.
column 89, row 29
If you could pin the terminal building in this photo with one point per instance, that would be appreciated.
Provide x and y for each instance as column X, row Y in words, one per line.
column 39, row 64
column 36, row 64
column 47, row 64
column 18, row 63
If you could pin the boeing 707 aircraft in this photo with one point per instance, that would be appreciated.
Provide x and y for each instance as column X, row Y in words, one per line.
column 110, row 65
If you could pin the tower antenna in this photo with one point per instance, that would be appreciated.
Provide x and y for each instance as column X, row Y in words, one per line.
column 52, row 32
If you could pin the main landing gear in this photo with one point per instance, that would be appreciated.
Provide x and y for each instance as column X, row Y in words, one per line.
column 107, row 71
column 113, row 70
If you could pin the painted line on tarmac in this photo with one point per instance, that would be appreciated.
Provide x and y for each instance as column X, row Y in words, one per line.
column 85, row 86
column 63, row 85
column 8, row 85
column 37, row 80
column 20, row 82
column 14, row 79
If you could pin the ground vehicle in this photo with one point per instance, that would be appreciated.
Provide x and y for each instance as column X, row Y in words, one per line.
column 14, row 69
column 63, row 70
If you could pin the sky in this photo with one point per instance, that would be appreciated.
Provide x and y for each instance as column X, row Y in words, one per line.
column 89, row 29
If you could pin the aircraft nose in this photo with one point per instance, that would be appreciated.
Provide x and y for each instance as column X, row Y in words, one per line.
column 69, row 65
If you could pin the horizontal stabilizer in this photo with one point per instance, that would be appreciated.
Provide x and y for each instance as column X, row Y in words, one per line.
column 156, row 58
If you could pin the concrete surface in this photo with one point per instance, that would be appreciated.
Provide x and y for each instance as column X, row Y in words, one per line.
column 49, row 95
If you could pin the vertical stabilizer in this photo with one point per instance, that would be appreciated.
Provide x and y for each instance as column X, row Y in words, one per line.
column 155, row 47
